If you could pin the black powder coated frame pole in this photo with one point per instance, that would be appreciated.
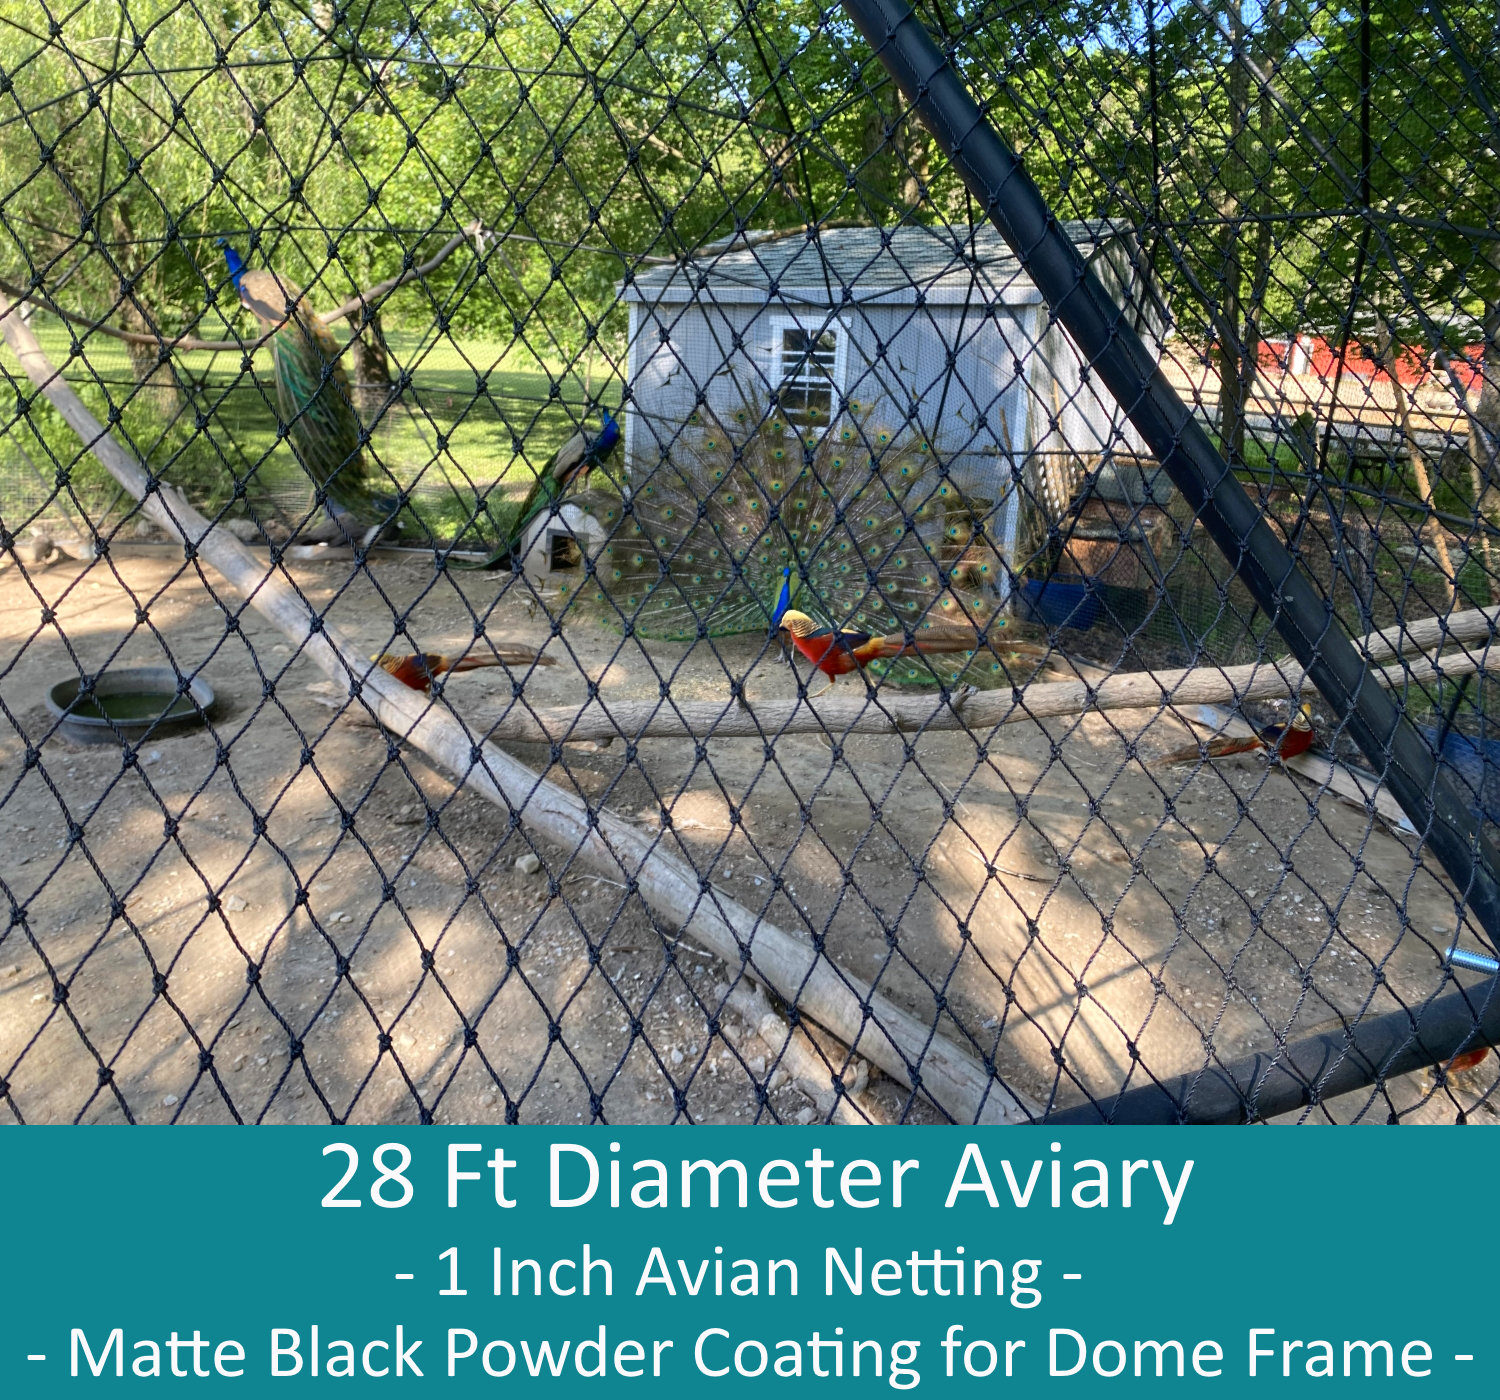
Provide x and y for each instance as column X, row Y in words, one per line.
column 1308, row 1071
column 1110, row 346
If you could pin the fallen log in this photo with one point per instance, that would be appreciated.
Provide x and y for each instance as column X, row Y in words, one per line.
column 911, row 1051
column 796, row 1055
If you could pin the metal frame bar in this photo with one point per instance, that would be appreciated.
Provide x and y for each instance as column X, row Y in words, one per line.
column 1308, row 1072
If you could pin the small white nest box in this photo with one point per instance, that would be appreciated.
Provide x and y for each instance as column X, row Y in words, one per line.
column 557, row 542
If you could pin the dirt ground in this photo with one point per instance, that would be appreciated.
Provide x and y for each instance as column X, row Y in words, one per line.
column 197, row 988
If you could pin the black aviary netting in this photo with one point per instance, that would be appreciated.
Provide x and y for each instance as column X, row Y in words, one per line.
column 748, row 563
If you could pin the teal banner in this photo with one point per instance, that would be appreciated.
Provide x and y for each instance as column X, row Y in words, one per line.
column 477, row 1261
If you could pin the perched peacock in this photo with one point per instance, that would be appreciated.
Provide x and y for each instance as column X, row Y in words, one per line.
column 314, row 401
column 875, row 537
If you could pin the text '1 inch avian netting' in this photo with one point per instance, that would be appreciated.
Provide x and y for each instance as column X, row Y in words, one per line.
column 749, row 563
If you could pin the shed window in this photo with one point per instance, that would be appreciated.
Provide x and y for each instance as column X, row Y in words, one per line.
column 807, row 372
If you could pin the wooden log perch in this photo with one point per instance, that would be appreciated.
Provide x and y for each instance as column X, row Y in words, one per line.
column 909, row 1050
column 894, row 712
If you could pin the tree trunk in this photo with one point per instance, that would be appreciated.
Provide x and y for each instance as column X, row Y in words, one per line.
column 1484, row 423
column 915, row 153
column 1239, row 361
column 372, row 363
column 878, row 174
column 1231, row 273
column 1433, row 527
column 148, row 370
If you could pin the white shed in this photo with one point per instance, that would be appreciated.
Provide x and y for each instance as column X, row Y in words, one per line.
column 933, row 327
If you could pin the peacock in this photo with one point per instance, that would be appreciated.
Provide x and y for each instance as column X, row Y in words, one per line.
column 314, row 401
column 854, row 525
column 576, row 457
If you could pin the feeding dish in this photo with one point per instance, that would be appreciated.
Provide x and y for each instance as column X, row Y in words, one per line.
column 129, row 705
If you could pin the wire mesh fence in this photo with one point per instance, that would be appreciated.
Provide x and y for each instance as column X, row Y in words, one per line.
column 583, row 564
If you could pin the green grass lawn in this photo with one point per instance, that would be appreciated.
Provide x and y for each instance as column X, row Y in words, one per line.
column 497, row 421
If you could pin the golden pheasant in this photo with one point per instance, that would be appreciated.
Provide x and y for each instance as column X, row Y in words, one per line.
column 838, row 653
column 1285, row 741
column 420, row 669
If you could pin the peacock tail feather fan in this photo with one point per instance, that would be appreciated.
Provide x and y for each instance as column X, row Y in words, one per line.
column 698, row 548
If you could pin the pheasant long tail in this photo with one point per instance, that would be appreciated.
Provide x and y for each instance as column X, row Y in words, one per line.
column 420, row 669
column 503, row 655
column 933, row 643
column 1222, row 747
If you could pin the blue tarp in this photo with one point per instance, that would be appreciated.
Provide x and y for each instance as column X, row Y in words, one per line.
column 1475, row 763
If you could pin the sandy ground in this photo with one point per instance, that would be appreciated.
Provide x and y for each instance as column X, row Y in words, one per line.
column 423, row 976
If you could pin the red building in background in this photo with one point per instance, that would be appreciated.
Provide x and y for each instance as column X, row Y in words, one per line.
column 1307, row 354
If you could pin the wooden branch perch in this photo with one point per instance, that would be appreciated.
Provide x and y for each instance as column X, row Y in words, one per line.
column 865, row 1020
column 382, row 289
column 895, row 712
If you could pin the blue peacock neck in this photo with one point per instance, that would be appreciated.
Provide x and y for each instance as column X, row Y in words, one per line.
column 236, row 264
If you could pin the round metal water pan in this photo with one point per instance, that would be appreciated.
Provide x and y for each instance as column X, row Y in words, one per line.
column 129, row 705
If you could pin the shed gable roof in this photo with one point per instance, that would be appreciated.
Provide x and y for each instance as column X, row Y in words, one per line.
column 837, row 266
